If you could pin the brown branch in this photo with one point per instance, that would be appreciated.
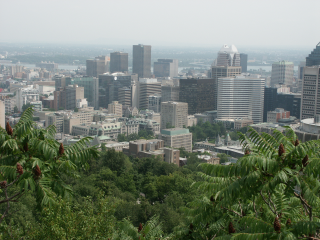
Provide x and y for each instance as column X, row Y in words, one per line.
column 10, row 198
column 305, row 204
column 254, row 208
column 273, row 204
column 232, row 211
column 241, row 211
column 267, row 203
column 8, row 185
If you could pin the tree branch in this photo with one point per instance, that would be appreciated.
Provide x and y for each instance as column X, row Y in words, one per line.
column 273, row 204
column 267, row 203
column 254, row 208
column 232, row 211
column 10, row 198
column 241, row 211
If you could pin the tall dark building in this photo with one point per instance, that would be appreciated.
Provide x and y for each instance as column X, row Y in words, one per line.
column 288, row 101
column 198, row 93
column 109, row 85
column 270, row 101
column 118, row 62
column 141, row 60
column 314, row 57
column 244, row 61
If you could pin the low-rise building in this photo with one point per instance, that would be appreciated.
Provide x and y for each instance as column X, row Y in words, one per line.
column 240, row 123
column 117, row 146
column 152, row 148
column 278, row 113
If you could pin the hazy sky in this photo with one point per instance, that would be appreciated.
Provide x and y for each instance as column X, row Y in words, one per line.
column 244, row 23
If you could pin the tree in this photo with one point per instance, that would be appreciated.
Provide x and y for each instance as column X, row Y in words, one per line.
column 25, row 106
column 76, row 110
column 168, row 125
column 90, row 220
column 15, row 109
column 270, row 193
column 122, row 137
column 34, row 161
column 223, row 157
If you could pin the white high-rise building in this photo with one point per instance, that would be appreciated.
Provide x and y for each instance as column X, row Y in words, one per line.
column 174, row 114
column 2, row 115
column 228, row 56
column 282, row 73
column 241, row 97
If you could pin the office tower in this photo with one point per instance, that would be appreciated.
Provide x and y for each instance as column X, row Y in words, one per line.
column 174, row 114
column 228, row 56
column 310, row 104
column 177, row 138
column 300, row 69
column 288, row 101
column 270, row 101
column 282, row 73
column 314, row 57
column 154, row 103
column 109, row 85
column 2, row 115
column 67, row 97
column 141, row 60
column 61, row 81
column 243, row 62
column 241, row 97
column 97, row 66
column 169, row 93
column 125, row 96
column 91, row 89
column 115, row 108
column 166, row 68
column 118, row 62
column 198, row 93
column 221, row 72
column 146, row 88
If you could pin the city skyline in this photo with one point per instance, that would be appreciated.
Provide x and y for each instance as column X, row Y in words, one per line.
column 72, row 27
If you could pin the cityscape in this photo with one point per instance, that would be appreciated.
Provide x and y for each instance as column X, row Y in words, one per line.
column 107, row 100
column 172, row 120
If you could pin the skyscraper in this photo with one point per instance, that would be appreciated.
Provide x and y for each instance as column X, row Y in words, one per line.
column 118, row 62
column 166, row 68
column 310, row 102
column 221, row 72
column 227, row 64
column 97, row 66
column 241, row 97
column 228, row 56
column 174, row 114
column 282, row 73
column 314, row 57
column 141, row 62
column 243, row 62
column 147, row 87
column 2, row 115
column 198, row 93
column 109, row 85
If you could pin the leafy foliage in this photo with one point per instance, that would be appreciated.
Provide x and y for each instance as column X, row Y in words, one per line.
column 270, row 193
column 32, row 160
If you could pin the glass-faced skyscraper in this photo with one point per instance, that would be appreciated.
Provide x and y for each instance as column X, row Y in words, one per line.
column 141, row 62
column 314, row 57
